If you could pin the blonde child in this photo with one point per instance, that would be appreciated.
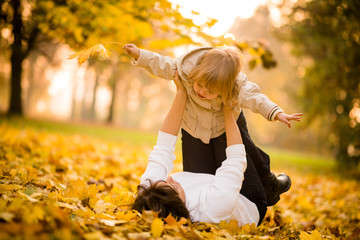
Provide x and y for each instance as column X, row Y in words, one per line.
column 213, row 79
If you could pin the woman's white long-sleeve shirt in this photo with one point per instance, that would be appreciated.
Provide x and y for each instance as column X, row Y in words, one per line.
column 209, row 198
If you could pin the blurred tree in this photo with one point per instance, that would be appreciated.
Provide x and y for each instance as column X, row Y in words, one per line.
column 326, row 39
column 82, row 24
column 34, row 83
column 12, row 19
column 280, row 84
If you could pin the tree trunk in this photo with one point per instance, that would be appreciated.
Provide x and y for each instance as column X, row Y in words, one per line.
column 87, row 94
column 73, row 101
column 16, row 61
column 115, row 73
column 112, row 104
column 93, row 102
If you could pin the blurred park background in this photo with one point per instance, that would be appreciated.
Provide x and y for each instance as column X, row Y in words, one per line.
column 304, row 55
column 74, row 139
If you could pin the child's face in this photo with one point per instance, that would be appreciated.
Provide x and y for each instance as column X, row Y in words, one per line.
column 203, row 93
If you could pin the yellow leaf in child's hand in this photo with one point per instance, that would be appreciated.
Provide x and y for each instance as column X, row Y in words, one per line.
column 157, row 227
column 82, row 56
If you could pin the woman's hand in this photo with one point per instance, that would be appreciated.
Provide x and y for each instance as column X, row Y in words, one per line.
column 132, row 50
column 286, row 118
column 233, row 135
column 178, row 83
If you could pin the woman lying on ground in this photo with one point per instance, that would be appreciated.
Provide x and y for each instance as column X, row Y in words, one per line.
column 198, row 196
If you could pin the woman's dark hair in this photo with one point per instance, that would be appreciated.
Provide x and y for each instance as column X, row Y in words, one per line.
column 162, row 199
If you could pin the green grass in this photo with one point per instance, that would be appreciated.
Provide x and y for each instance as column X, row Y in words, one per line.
column 99, row 131
column 281, row 160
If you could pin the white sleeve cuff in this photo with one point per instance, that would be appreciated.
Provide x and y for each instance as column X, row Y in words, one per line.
column 275, row 111
column 166, row 139
column 143, row 59
column 235, row 150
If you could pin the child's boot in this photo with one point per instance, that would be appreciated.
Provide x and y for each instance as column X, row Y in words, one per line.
column 274, row 186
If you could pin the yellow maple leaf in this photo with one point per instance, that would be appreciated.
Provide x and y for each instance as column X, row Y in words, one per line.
column 232, row 225
column 66, row 205
column 10, row 187
column 112, row 223
column 127, row 216
column 314, row 235
column 7, row 216
column 32, row 173
column 157, row 227
column 171, row 221
column 94, row 235
column 33, row 215
column 98, row 49
column 31, row 199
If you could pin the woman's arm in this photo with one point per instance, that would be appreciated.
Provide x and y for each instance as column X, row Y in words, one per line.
column 160, row 161
column 233, row 135
column 172, row 121
column 228, row 178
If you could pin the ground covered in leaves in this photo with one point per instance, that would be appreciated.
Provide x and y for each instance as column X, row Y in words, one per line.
column 55, row 186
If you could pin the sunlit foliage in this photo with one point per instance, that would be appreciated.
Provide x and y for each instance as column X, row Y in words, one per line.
column 81, row 24
column 326, row 39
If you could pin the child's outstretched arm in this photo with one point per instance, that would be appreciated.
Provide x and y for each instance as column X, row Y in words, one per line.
column 156, row 64
column 132, row 50
column 251, row 97
column 286, row 118
column 172, row 121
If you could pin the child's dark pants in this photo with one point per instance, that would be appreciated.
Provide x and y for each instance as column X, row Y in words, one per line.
column 199, row 157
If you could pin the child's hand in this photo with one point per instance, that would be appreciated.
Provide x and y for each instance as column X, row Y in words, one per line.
column 178, row 83
column 285, row 118
column 132, row 50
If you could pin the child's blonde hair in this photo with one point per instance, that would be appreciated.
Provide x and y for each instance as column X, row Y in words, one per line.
column 217, row 71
